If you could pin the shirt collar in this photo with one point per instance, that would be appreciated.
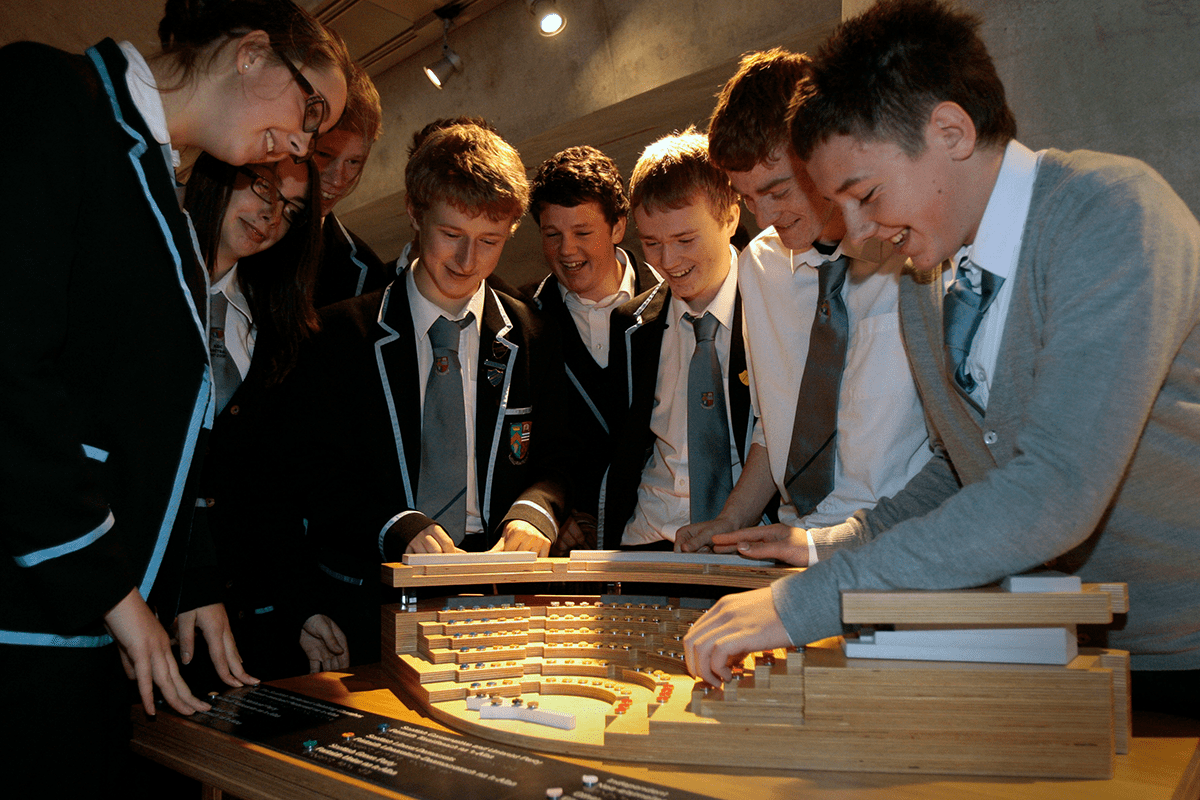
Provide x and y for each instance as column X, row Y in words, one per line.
column 624, row 290
column 232, row 289
column 143, row 89
column 998, row 241
column 722, row 306
column 813, row 257
column 425, row 313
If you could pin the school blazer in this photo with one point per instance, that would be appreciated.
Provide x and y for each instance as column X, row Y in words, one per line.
column 595, row 403
column 105, row 387
column 355, row 401
column 638, row 328
column 349, row 267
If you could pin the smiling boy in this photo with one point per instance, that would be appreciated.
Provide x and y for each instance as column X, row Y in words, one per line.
column 839, row 426
column 1053, row 323
column 430, row 414
column 349, row 267
column 687, row 429
column 580, row 205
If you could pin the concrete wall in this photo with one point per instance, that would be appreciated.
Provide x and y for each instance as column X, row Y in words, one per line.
column 1115, row 75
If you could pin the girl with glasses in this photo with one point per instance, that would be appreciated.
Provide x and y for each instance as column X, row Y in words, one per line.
column 105, row 387
column 259, row 228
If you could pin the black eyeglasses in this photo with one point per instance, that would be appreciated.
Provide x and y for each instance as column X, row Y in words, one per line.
column 315, row 107
column 269, row 192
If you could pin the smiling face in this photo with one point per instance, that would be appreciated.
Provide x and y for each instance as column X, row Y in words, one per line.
column 689, row 246
column 261, row 107
column 458, row 252
column 251, row 223
column 779, row 192
column 579, row 246
column 915, row 203
column 340, row 156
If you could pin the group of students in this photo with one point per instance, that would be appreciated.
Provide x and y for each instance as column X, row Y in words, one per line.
column 945, row 359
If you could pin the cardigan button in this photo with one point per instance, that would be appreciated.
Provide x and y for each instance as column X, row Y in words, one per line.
column 990, row 438
column 210, row 502
column 234, row 410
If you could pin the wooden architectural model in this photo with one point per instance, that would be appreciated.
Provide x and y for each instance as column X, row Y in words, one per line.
column 615, row 667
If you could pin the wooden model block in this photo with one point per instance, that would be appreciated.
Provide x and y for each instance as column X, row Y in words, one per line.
column 618, row 668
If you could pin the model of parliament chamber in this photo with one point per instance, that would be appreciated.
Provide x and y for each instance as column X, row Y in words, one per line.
column 985, row 681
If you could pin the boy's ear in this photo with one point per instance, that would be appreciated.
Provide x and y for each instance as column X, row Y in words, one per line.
column 952, row 130
column 735, row 217
column 412, row 215
column 618, row 230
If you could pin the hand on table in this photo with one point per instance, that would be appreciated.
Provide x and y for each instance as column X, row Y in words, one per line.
column 778, row 541
column 577, row 533
column 520, row 535
column 213, row 623
column 146, row 655
column 738, row 624
column 698, row 537
column 432, row 539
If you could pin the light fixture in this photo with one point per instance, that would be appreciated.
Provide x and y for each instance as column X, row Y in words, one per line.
column 440, row 71
column 550, row 22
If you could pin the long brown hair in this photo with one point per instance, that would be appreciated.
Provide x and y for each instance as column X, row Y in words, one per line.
column 278, row 281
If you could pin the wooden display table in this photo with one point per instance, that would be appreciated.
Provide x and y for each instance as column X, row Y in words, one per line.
column 1163, row 762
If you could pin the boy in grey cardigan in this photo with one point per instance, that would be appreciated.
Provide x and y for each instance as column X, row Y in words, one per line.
column 1064, row 412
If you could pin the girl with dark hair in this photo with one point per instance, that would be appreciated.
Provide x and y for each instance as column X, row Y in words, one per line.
column 259, row 228
column 105, row 387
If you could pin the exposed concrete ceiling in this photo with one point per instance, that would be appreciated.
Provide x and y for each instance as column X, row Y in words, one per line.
column 379, row 33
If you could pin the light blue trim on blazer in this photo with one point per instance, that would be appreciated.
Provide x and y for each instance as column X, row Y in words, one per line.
column 387, row 392
column 66, row 548
column 486, row 505
column 202, row 411
column 362, row 268
column 53, row 639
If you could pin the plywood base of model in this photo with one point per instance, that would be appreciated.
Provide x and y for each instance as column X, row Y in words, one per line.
column 618, row 667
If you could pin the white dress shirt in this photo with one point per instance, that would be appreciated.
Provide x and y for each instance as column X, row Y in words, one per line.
column 238, row 324
column 591, row 316
column 424, row 314
column 881, row 436
column 143, row 90
column 663, row 504
column 996, row 249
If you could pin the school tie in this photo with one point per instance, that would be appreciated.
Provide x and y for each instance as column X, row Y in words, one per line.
column 442, row 486
column 962, row 311
column 226, row 378
column 709, row 468
column 809, row 475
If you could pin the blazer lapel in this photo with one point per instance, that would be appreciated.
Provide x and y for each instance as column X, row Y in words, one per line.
column 158, row 182
column 494, row 375
column 396, row 360
column 739, row 382
column 640, row 324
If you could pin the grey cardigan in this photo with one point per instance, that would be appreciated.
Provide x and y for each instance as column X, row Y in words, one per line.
column 1089, row 452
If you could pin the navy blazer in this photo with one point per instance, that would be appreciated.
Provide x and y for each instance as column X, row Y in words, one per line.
column 638, row 328
column 349, row 267
column 352, row 424
column 103, row 352
column 595, row 401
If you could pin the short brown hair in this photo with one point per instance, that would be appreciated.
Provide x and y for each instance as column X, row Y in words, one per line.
column 470, row 168
column 750, row 121
column 364, row 113
column 673, row 169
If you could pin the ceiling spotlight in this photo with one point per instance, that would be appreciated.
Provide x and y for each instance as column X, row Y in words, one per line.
column 440, row 71
column 550, row 21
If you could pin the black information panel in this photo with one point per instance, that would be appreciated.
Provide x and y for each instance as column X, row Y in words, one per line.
column 410, row 759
